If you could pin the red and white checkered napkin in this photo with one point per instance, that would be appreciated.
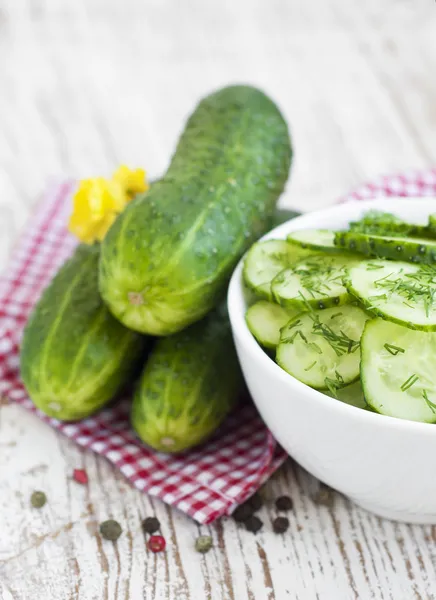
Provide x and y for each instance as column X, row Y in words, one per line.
column 205, row 483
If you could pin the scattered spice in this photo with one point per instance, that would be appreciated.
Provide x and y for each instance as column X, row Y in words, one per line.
column 324, row 496
column 253, row 524
column 203, row 543
column 284, row 503
column 38, row 499
column 156, row 543
column 243, row 512
column 150, row 525
column 80, row 476
column 256, row 502
column 280, row 524
column 110, row 530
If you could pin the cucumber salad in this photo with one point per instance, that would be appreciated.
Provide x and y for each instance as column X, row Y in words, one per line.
column 352, row 313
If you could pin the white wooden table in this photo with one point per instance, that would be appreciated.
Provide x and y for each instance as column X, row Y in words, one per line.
column 88, row 84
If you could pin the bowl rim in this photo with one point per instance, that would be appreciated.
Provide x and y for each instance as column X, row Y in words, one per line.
column 236, row 302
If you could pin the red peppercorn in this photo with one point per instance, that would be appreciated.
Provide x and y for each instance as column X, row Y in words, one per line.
column 156, row 543
column 81, row 476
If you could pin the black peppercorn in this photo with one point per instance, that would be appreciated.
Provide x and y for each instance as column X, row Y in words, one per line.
column 243, row 512
column 284, row 503
column 110, row 530
column 150, row 525
column 256, row 502
column 253, row 524
column 280, row 525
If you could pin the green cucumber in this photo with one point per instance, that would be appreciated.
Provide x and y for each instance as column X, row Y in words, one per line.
column 190, row 383
column 322, row 348
column 265, row 260
column 314, row 239
column 74, row 355
column 317, row 281
column 397, row 291
column 168, row 257
column 265, row 319
column 398, row 371
column 415, row 250
column 351, row 394
column 387, row 224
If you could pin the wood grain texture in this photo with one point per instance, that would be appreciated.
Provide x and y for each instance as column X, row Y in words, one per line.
column 88, row 84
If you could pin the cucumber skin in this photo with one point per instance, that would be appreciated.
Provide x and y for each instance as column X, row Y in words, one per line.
column 371, row 245
column 190, row 383
column 168, row 257
column 86, row 331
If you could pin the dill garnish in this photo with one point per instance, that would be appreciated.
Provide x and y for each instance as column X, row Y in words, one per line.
column 409, row 382
column 373, row 267
column 333, row 385
column 394, row 350
column 429, row 403
column 311, row 366
column 419, row 287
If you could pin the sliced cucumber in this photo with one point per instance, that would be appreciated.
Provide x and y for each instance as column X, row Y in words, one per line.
column 398, row 371
column 415, row 250
column 351, row 394
column 317, row 281
column 387, row 224
column 264, row 260
column 265, row 319
column 315, row 239
column 397, row 291
column 322, row 348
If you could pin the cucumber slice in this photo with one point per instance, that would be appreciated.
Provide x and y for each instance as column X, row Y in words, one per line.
column 387, row 224
column 351, row 394
column 398, row 371
column 322, row 348
column 317, row 281
column 264, row 260
column 397, row 291
column 265, row 319
column 415, row 250
column 315, row 239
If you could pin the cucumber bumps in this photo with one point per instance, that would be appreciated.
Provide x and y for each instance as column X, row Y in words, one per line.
column 190, row 383
column 74, row 355
column 168, row 257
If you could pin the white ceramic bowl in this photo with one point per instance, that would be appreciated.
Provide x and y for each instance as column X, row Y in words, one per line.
column 385, row 465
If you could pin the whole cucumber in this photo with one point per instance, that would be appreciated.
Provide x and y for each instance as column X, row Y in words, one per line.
column 75, row 355
column 190, row 383
column 168, row 257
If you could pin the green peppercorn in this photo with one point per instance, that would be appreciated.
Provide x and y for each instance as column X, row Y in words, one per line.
column 280, row 525
column 150, row 525
column 110, row 530
column 203, row 543
column 38, row 499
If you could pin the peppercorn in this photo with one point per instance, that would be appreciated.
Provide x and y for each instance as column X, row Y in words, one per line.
column 156, row 543
column 324, row 496
column 110, row 530
column 80, row 476
column 284, row 503
column 203, row 543
column 280, row 524
column 243, row 512
column 253, row 524
column 150, row 525
column 256, row 502
column 38, row 499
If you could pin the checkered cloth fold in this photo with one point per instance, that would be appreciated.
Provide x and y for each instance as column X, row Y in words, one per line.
column 206, row 482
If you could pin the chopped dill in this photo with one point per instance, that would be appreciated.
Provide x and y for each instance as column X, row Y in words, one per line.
column 311, row 366
column 430, row 404
column 409, row 382
column 394, row 350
